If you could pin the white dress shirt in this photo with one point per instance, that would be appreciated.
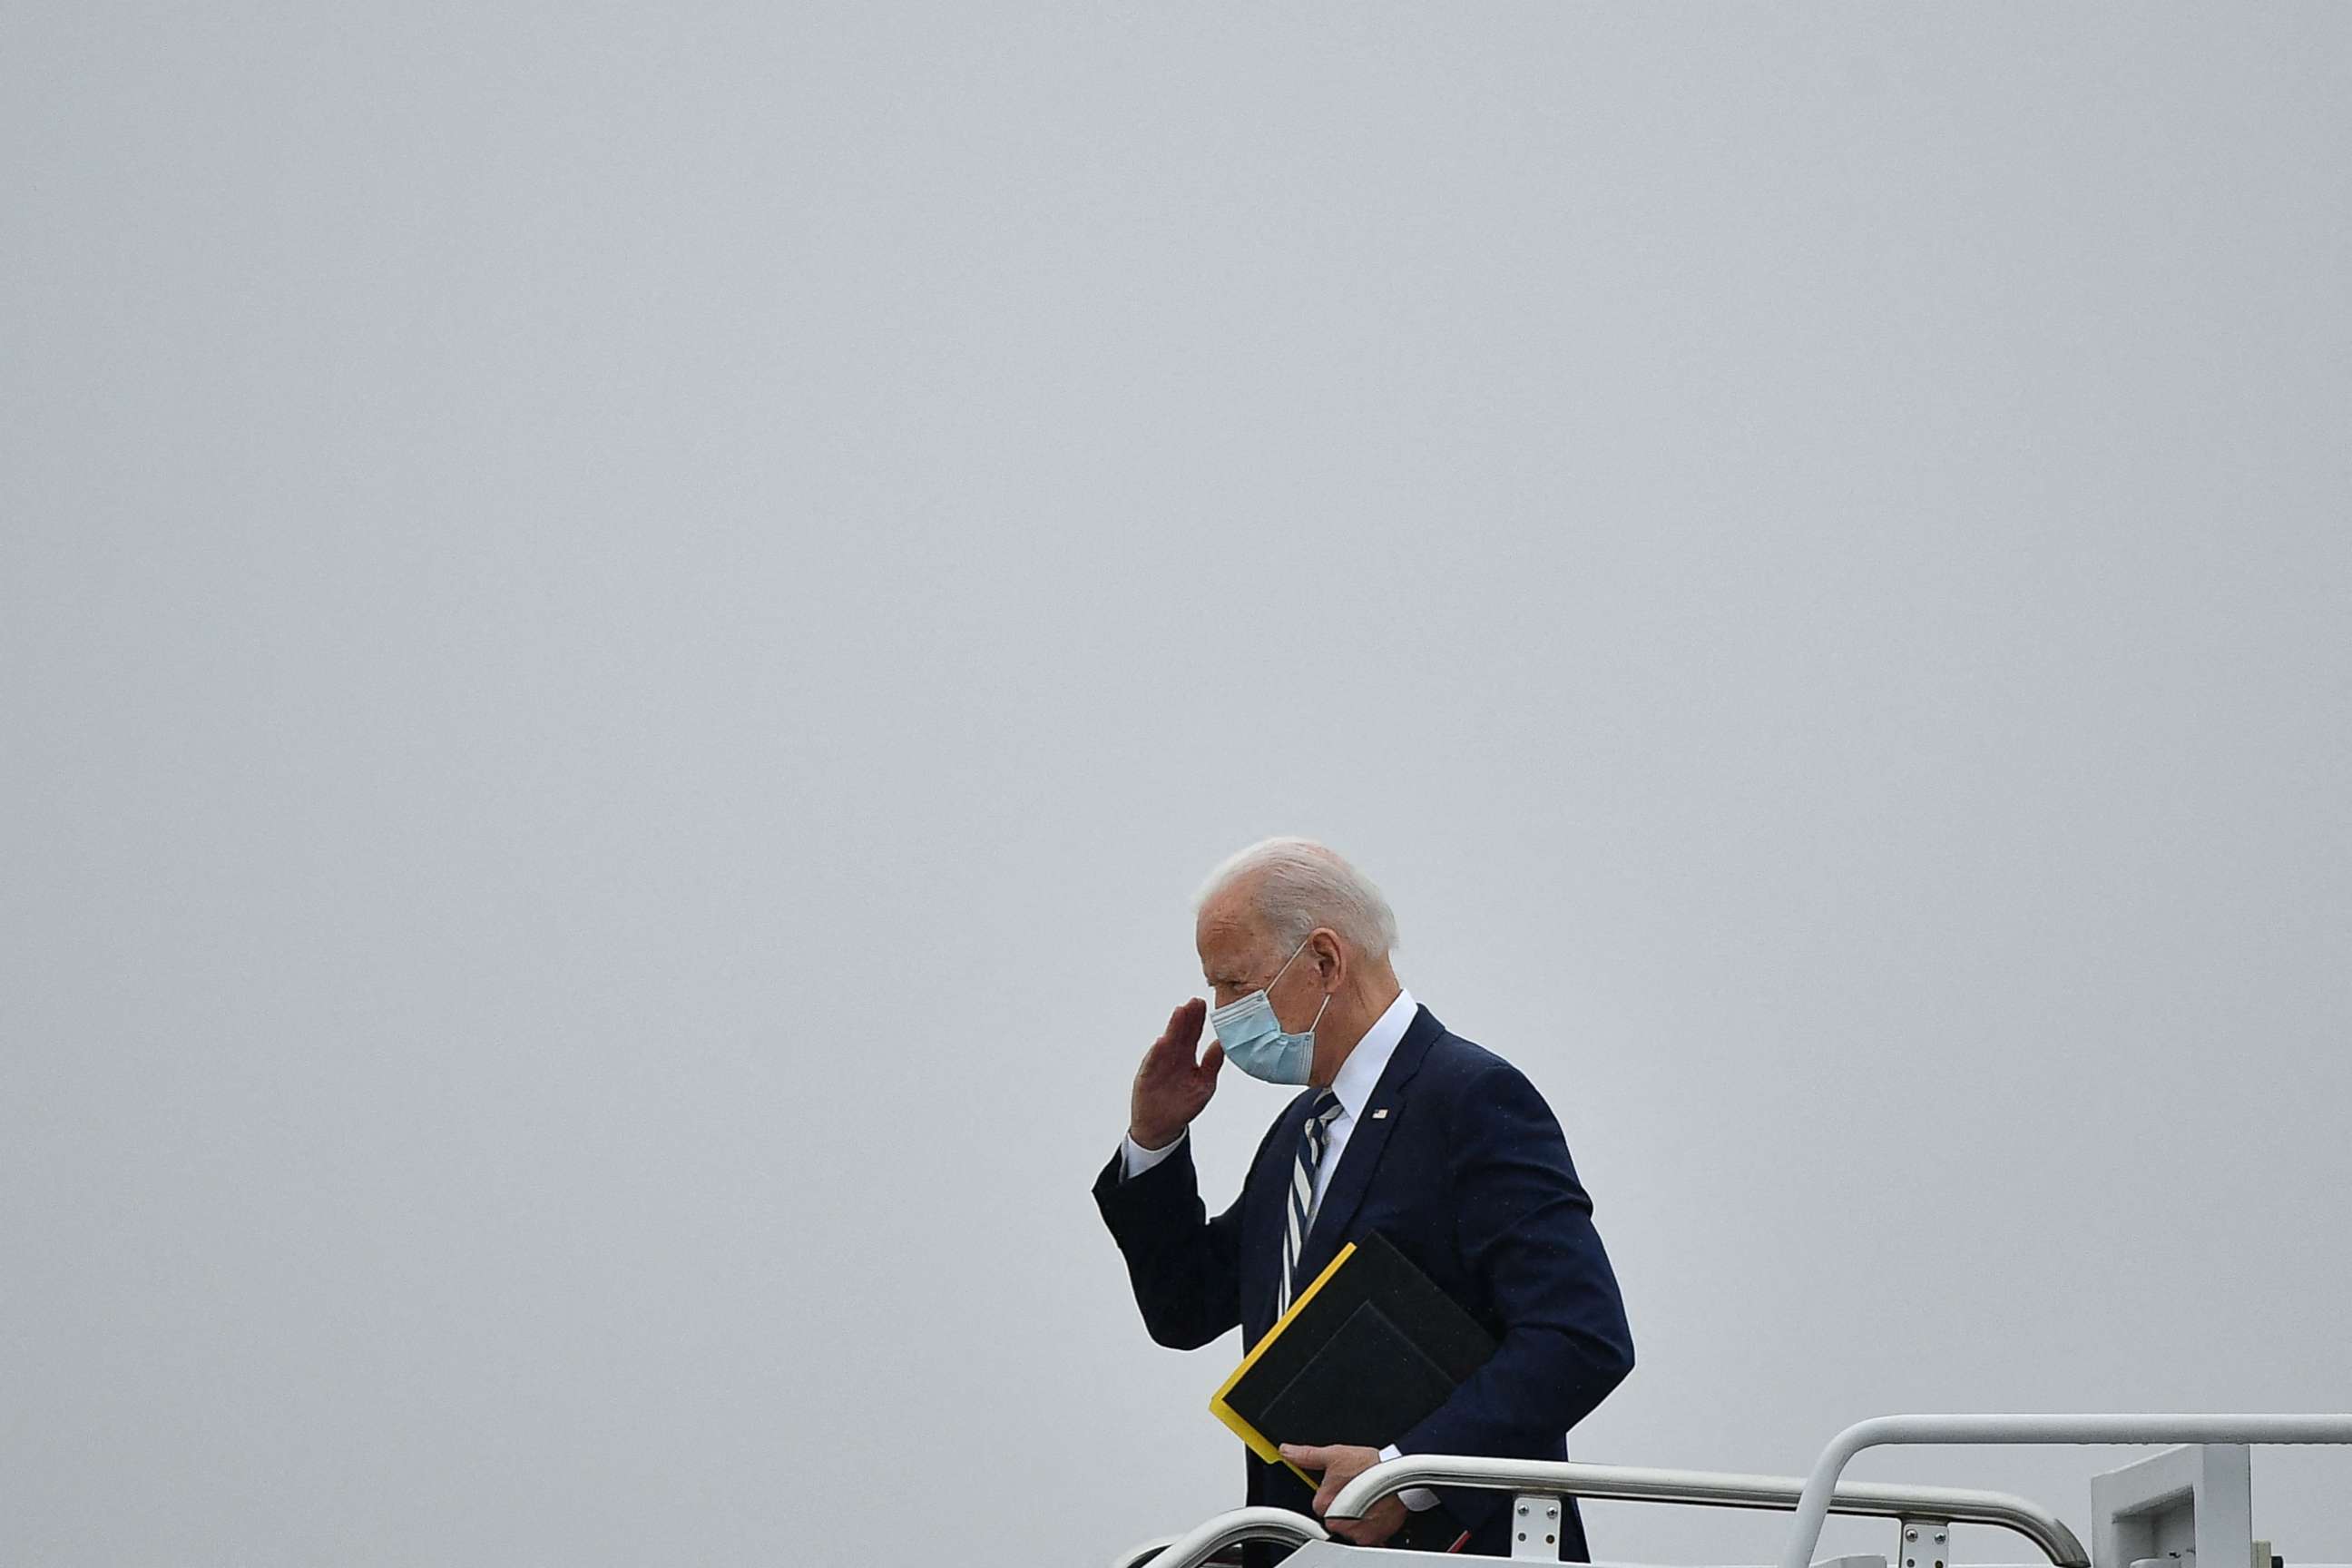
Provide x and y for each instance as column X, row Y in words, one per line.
column 1358, row 1076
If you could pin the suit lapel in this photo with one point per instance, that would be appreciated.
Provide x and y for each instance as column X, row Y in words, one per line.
column 1366, row 1142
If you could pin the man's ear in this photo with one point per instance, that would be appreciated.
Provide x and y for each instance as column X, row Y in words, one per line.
column 1331, row 958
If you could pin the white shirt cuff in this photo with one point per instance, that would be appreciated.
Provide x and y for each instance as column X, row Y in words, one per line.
column 1135, row 1159
column 1421, row 1500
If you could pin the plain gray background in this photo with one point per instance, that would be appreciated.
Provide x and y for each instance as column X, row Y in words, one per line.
column 626, row 629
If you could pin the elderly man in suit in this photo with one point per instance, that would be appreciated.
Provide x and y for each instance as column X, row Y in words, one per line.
column 1400, row 1127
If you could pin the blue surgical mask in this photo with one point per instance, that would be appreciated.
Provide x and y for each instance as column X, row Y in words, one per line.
column 1254, row 1039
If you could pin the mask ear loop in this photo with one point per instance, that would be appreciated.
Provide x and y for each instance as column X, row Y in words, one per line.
column 1268, row 988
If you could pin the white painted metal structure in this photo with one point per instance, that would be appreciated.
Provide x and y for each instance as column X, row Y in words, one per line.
column 2188, row 1507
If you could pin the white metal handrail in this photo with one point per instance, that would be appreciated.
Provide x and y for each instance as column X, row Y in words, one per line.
column 1216, row 1532
column 1822, row 1486
column 1136, row 1556
column 1710, row 1488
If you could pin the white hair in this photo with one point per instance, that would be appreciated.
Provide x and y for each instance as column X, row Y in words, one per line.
column 1296, row 885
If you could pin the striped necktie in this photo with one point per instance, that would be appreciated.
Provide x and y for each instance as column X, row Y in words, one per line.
column 1313, row 1139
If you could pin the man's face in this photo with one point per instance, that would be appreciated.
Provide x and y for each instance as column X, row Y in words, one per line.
column 1238, row 956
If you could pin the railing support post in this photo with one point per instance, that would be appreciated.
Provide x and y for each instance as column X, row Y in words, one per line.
column 1926, row 1544
column 1534, row 1527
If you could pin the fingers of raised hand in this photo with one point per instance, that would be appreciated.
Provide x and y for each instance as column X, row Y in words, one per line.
column 1183, row 1031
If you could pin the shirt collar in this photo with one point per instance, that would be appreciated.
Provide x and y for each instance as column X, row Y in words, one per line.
column 1361, row 1073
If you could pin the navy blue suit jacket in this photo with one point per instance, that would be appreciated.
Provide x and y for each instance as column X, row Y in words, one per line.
column 1468, row 1175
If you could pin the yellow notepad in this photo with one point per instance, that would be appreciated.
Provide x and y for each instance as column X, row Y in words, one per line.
column 1364, row 1354
column 1257, row 1440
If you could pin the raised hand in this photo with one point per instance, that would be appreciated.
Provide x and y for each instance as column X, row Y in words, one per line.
column 1170, row 1086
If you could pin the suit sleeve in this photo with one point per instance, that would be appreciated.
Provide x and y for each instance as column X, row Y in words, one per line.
column 1524, row 1225
column 1185, row 1267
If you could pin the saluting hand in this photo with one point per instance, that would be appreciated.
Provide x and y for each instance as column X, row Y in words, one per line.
column 1170, row 1086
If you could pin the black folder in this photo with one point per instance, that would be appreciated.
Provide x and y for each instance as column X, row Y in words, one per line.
column 1364, row 1352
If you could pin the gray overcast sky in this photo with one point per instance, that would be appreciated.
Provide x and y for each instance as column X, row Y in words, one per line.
column 627, row 628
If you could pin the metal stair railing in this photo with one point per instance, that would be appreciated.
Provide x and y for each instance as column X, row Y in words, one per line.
column 1710, row 1488
column 1217, row 1531
column 1822, row 1487
column 1624, row 1483
column 1821, row 1494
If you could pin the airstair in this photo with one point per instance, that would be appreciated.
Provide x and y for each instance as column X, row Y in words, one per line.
column 2190, row 1505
